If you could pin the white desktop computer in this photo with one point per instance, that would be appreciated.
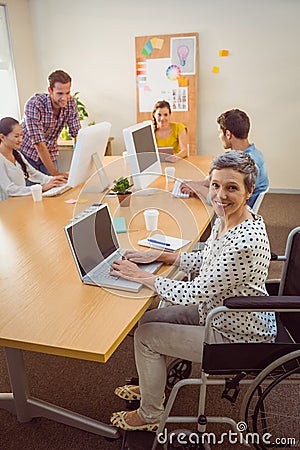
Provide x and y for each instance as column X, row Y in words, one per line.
column 142, row 154
column 88, row 154
column 87, row 160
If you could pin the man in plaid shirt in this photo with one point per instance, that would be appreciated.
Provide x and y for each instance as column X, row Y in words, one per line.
column 44, row 117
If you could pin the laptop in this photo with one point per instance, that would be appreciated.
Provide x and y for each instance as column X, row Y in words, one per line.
column 164, row 152
column 94, row 245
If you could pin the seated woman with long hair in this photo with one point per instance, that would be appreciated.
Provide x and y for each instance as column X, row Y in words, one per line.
column 14, row 168
column 168, row 133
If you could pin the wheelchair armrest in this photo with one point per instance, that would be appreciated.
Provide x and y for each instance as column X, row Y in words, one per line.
column 260, row 303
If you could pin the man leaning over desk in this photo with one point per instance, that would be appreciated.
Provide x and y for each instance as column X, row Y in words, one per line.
column 45, row 116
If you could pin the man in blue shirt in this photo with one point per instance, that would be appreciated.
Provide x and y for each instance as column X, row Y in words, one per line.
column 233, row 128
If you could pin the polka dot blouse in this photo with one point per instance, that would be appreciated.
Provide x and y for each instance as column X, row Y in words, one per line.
column 236, row 264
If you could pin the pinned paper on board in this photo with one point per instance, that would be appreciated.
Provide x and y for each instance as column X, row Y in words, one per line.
column 215, row 69
column 173, row 72
column 223, row 52
column 151, row 45
column 157, row 43
column 141, row 66
column 183, row 54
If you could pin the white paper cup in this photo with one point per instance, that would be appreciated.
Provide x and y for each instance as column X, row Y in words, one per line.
column 36, row 192
column 151, row 219
column 170, row 175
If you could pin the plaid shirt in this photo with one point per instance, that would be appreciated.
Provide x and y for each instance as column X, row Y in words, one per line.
column 40, row 125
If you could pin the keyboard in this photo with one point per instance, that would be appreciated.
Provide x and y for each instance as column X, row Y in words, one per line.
column 101, row 276
column 176, row 192
column 86, row 212
column 58, row 190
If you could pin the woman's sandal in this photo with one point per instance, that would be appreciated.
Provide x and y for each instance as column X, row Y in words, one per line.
column 127, row 393
column 118, row 420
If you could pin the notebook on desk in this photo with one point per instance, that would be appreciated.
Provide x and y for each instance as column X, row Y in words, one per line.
column 94, row 245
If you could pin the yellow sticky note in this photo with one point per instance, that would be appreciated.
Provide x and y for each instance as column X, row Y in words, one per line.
column 215, row 69
column 223, row 52
column 154, row 42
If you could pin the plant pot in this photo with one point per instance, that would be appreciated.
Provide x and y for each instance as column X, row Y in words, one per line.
column 124, row 199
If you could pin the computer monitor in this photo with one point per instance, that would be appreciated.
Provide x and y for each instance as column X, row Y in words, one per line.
column 142, row 154
column 88, row 154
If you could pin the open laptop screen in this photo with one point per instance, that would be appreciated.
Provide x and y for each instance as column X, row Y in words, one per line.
column 145, row 147
column 92, row 239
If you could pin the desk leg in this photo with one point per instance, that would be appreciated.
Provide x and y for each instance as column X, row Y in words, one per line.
column 26, row 408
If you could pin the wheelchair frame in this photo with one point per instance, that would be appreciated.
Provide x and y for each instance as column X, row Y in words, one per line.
column 204, row 381
column 281, row 368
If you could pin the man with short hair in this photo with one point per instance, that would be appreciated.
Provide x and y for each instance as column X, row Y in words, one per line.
column 233, row 128
column 45, row 116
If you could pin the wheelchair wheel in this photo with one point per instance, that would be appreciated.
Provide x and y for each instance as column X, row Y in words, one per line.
column 178, row 370
column 271, row 407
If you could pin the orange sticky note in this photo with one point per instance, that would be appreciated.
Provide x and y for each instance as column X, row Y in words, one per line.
column 182, row 81
column 223, row 52
column 215, row 69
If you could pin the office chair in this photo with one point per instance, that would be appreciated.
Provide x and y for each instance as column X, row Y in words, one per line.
column 270, row 371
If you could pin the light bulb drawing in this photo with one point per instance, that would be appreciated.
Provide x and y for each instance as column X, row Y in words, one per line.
column 182, row 52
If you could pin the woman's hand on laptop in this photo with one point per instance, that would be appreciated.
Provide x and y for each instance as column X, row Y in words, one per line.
column 130, row 271
column 152, row 255
column 143, row 257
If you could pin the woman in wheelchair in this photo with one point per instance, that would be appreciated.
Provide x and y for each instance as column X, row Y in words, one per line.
column 233, row 263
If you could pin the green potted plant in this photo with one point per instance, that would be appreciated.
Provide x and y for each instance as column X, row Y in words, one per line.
column 82, row 112
column 121, row 188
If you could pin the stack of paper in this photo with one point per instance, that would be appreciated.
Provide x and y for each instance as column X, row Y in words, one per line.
column 164, row 242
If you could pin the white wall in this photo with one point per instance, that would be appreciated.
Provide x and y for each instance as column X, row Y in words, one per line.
column 93, row 40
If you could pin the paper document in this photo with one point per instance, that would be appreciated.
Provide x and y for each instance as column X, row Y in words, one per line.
column 160, row 241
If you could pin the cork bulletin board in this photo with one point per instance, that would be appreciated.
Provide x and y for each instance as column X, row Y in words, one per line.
column 166, row 69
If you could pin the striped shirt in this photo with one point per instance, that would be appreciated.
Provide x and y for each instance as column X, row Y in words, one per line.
column 41, row 125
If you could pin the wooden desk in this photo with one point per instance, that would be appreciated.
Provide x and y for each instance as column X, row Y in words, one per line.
column 43, row 305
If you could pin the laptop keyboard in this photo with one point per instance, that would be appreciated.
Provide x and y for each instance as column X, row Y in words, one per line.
column 176, row 192
column 103, row 272
column 58, row 190
column 101, row 275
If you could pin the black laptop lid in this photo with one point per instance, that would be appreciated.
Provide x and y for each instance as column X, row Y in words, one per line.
column 92, row 239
